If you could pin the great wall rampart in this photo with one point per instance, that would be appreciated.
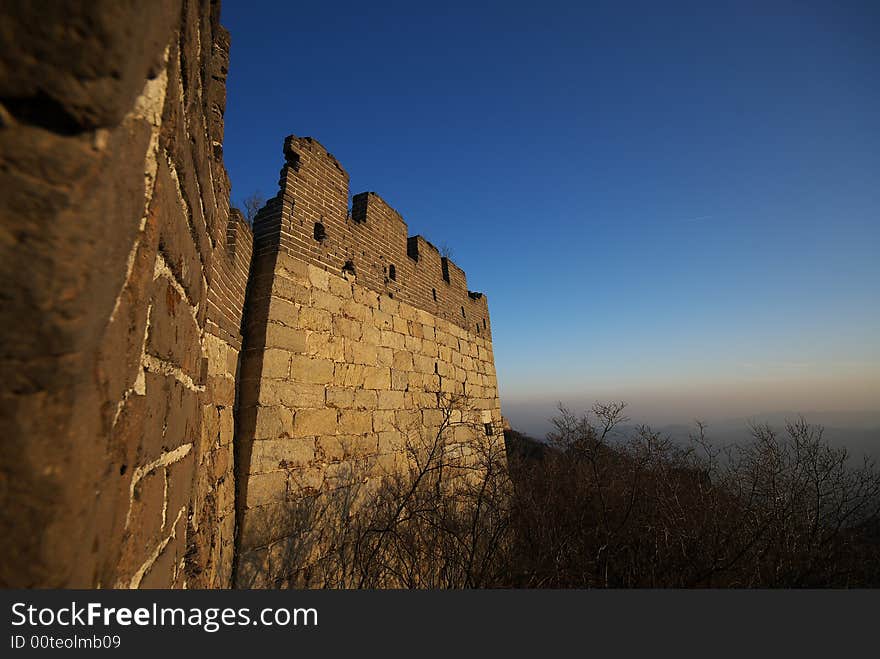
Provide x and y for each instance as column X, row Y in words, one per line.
column 355, row 335
column 168, row 376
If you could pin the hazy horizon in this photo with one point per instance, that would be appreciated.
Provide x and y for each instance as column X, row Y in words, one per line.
column 849, row 400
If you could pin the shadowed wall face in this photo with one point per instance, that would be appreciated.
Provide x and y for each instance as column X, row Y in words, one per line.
column 354, row 342
column 125, row 276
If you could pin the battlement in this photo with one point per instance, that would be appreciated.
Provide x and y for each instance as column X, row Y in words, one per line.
column 310, row 219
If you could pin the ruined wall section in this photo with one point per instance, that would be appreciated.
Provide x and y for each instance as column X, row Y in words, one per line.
column 342, row 367
column 125, row 275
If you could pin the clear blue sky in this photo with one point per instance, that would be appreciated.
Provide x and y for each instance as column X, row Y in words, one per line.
column 674, row 204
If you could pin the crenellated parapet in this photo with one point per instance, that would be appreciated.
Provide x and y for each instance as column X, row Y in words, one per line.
column 310, row 219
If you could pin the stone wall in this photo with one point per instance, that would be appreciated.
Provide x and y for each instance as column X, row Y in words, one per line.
column 343, row 363
column 125, row 275
column 150, row 425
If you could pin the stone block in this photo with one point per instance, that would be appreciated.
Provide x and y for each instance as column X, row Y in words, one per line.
column 403, row 360
column 294, row 292
column 399, row 380
column 331, row 448
column 407, row 420
column 292, row 268
column 274, row 454
column 383, row 420
column 356, row 311
column 448, row 385
column 288, row 338
column 348, row 375
column 327, row 301
column 291, row 394
column 340, row 397
column 357, row 352
column 400, row 325
column 345, row 327
column 423, row 364
column 221, row 389
column 268, row 422
column 391, row 339
column 388, row 304
column 328, row 346
column 365, row 399
column 319, row 278
column 370, row 334
column 445, row 369
column 339, row 474
column 366, row 297
column 283, row 311
column 390, row 441
column 377, row 378
column 383, row 320
column 390, row 400
column 310, row 478
column 315, row 422
column 313, row 370
column 318, row 320
column 266, row 488
column 276, row 364
column 355, row 422
column 433, row 418
column 216, row 352
column 340, row 287
column 425, row 400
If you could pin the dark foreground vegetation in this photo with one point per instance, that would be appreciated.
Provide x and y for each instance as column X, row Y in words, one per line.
column 583, row 511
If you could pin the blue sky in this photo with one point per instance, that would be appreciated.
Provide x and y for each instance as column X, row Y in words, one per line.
column 673, row 204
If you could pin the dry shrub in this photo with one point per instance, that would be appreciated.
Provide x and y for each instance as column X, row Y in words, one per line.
column 589, row 510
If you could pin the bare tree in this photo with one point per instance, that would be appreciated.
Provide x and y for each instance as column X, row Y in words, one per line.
column 252, row 205
column 778, row 511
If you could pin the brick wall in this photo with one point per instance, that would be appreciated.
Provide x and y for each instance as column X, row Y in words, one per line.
column 372, row 238
column 125, row 276
column 342, row 363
